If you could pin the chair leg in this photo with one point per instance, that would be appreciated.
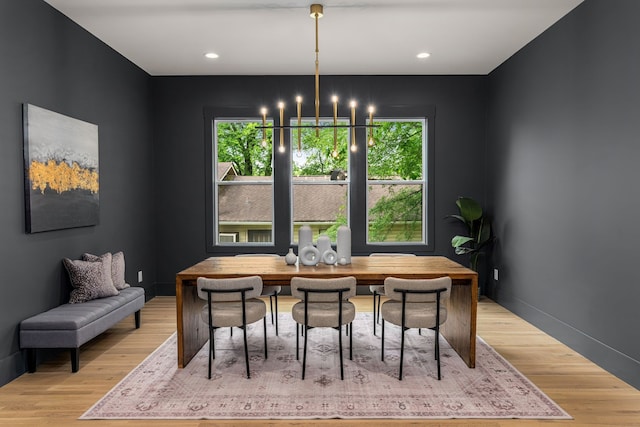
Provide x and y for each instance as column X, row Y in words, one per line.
column 304, row 352
column 246, row 351
column 211, row 351
column 382, row 343
column 350, row 326
column 437, row 349
column 340, row 347
column 276, row 299
column 401, row 354
column 375, row 317
column 271, row 307
column 297, row 341
column 264, row 323
column 379, row 304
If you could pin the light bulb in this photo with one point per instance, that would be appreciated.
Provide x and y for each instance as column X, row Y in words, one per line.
column 264, row 143
column 281, row 149
column 354, row 148
column 299, row 153
column 334, row 153
column 370, row 142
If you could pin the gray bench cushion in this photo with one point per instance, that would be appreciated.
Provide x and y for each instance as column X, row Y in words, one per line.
column 71, row 325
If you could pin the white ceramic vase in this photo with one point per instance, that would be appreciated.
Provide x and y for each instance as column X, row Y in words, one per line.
column 290, row 258
column 305, row 237
column 329, row 257
column 324, row 244
column 309, row 255
column 344, row 245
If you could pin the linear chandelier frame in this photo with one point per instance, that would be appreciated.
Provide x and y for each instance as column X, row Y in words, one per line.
column 316, row 11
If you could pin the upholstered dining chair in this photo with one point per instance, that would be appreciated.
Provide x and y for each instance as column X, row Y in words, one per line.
column 416, row 303
column 271, row 291
column 378, row 290
column 232, row 302
column 324, row 303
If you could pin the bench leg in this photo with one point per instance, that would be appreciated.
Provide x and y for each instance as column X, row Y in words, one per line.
column 75, row 359
column 137, row 316
column 31, row 360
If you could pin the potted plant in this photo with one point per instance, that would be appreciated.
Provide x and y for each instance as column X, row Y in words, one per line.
column 478, row 229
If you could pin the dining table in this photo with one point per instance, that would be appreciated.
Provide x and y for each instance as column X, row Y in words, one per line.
column 459, row 329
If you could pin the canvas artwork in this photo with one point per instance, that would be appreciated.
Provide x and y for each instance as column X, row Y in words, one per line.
column 61, row 171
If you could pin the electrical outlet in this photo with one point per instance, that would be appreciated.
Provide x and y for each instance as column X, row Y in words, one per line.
column 140, row 276
column 495, row 274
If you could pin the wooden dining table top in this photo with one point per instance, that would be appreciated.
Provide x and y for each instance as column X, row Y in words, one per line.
column 366, row 269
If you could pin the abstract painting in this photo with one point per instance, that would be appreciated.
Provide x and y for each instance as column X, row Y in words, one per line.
column 61, row 171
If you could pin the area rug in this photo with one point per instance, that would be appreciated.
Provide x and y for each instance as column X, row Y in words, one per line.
column 157, row 389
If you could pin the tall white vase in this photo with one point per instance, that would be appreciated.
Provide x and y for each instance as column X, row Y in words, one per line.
column 305, row 237
column 344, row 245
column 324, row 244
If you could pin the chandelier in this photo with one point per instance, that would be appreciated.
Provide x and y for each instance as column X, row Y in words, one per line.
column 316, row 12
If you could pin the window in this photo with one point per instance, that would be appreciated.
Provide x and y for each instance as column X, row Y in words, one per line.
column 243, row 182
column 257, row 196
column 320, row 181
column 396, row 182
column 228, row 237
column 262, row 236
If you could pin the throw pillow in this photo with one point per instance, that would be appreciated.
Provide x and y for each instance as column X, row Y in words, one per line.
column 117, row 271
column 90, row 279
column 117, row 268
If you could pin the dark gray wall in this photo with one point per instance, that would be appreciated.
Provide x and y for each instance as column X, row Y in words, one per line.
column 179, row 103
column 563, row 178
column 48, row 61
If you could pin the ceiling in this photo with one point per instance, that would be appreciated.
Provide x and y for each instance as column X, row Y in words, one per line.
column 276, row 37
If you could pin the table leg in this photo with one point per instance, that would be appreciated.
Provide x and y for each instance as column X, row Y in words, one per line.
column 460, row 328
column 192, row 333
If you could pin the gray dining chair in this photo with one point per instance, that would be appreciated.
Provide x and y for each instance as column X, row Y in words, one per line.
column 232, row 303
column 324, row 303
column 271, row 291
column 378, row 290
column 416, row 303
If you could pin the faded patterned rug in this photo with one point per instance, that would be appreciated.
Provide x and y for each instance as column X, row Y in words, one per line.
column 157, row 389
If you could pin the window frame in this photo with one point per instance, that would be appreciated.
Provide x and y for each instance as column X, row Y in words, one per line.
column 309, row 121
column 282, row 184
column 390, row 182
column 217, row 184
column 212, row 246
column 359, row 204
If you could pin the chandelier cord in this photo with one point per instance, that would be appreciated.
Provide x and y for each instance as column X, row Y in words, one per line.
column 317, row 101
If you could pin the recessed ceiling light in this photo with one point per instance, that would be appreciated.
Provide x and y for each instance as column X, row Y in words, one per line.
column 423, row 55
column 211, row 55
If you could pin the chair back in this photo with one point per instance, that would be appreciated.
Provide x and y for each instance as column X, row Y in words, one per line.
column 230, row 284
column 347, row 282
column 391, row 283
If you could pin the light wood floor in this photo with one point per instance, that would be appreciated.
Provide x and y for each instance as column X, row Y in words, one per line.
column 53, row 396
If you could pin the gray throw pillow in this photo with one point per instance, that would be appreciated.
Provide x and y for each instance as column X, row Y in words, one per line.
column 90, row 279
column 117, row 268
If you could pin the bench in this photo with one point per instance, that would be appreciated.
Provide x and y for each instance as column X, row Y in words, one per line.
column 69, row 326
